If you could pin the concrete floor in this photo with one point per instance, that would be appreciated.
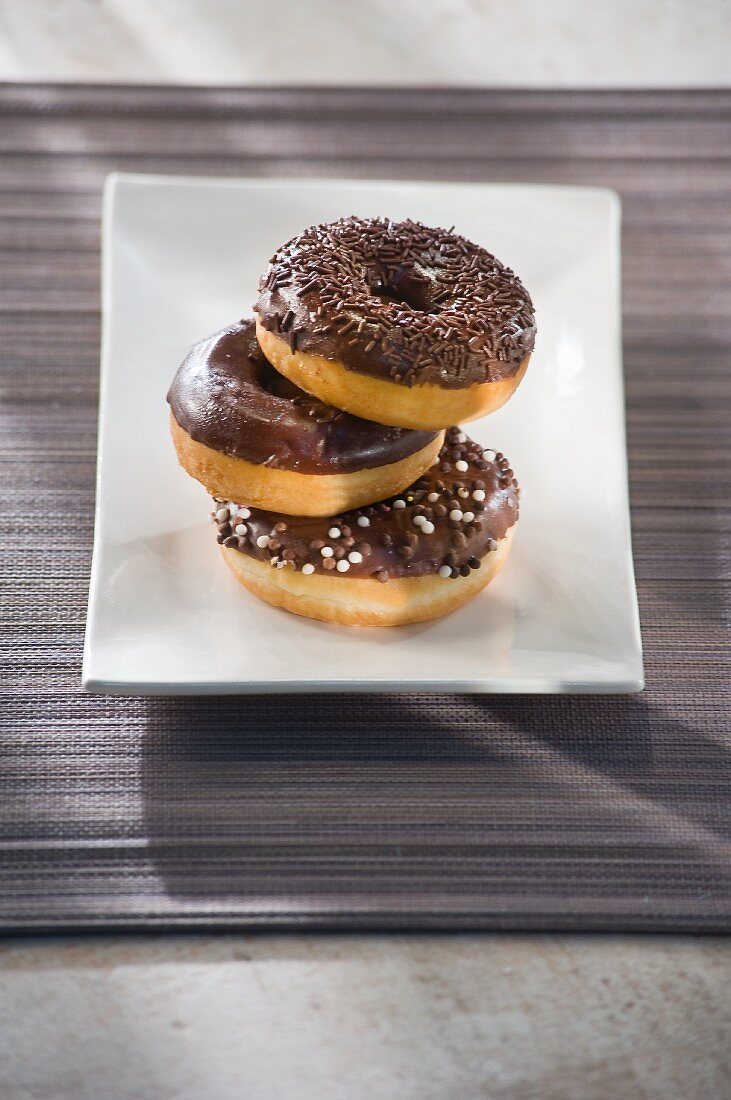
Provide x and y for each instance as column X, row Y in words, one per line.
column 389, row 1017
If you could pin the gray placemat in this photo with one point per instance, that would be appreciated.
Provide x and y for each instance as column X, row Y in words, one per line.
column 359, row 811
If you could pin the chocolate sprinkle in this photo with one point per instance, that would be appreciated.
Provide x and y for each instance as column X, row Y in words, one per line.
column 400, row 301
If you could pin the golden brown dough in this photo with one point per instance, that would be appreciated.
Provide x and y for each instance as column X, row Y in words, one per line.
column 425, row 406
column 290, row 491
column 334, row 598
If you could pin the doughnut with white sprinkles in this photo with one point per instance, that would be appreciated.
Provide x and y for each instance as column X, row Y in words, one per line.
column 421, row 532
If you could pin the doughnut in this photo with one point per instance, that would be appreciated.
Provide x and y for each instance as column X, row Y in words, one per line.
column 412, row 557
column 247, row 433
column 392, row 321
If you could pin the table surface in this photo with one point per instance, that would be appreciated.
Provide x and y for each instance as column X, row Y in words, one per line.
column 494, row 1017
column 668, row 156
column 527, row 43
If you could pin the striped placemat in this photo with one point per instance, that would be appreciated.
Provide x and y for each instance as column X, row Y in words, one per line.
column 360, row 811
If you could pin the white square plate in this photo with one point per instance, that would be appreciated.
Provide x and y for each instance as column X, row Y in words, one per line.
column 182, row 257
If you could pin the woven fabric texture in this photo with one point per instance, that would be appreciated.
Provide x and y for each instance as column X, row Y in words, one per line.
column 358, row 811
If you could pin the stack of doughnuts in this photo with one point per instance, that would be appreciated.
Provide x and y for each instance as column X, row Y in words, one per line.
column 324, row 429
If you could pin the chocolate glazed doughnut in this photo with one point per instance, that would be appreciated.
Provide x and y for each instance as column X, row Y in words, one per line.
column 248, row 434
column 396, row 322
column 415, row 556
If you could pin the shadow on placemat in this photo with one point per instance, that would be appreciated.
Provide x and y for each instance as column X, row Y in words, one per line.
column 436, row 809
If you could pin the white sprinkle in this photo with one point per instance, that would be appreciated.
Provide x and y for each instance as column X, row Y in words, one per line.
column 222, row 515
column 308, row 568
column 399, row 503
column 463, row 492
column 334, row 533
column 462, row 466
column 489, row 456
column 461, row 438
column 241, row 529
column 456, row 515
column 468, row 517
column 281, row 564
column 327, row 551
column 355, row 556
column 445, row 571
column 419, row 521
column 427, row 528
column 433, row 497
column 245, row 513
column 262, row 541
column 275, row 561
column 363, row 521
column 343, row 566
column 479, row 494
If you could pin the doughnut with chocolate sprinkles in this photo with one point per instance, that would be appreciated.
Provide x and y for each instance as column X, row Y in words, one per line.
column 247, row 433
column 395, row 322
column 414, row 556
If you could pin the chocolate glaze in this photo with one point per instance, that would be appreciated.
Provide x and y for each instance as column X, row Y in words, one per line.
column 399, row 301
column 228, row 396
column 391, row 544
